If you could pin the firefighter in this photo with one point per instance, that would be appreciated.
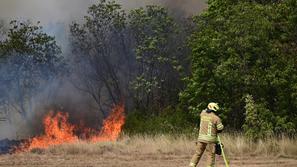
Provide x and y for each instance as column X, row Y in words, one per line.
column 210, row 126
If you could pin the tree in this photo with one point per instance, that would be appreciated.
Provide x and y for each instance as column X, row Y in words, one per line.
column 135, row 57
column 102, row 54
column 258, row 121
column 29, row 58
column 241, row 48
column 158, row 51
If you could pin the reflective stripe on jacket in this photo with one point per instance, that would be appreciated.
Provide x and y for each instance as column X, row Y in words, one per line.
column 210, row 123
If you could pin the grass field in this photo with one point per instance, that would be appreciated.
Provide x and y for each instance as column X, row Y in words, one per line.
column 158, row 151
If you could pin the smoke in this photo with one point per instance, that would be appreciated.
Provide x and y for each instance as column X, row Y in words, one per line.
column 55, row 16
column 68, row 10
column 180, row 7
column 46, row 11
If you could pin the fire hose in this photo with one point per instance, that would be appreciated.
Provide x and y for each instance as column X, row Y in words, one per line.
column 223, row 153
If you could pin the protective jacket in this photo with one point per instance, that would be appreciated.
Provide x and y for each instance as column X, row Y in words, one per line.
column 210, row 124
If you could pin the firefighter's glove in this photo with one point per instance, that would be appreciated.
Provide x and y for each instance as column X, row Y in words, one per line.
column 218, row 149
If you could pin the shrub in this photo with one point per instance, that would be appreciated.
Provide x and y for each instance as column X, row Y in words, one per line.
column 169, row 121
column 261, row 123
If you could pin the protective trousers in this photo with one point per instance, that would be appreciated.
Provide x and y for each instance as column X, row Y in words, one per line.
column 210, row 152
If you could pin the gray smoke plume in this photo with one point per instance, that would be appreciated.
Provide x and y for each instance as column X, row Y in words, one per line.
column 68, row 10
column 55, row 16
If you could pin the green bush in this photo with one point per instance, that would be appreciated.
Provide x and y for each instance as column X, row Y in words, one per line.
column 261, row 123
column 169, row 121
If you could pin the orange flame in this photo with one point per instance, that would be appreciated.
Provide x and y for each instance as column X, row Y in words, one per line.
column 57, row 130
column 112, row 126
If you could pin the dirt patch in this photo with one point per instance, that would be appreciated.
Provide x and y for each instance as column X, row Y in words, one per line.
column 110, row 159
column 157, row 151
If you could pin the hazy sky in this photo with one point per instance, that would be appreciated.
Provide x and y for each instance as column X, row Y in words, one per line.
column 67, row 10
column 56, row 15
column 43, row 10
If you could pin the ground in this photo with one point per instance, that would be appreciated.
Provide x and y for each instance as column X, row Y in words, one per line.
column 132, row 160
column 157, row 151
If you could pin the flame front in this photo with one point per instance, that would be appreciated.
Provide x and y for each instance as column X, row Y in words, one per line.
column 112, row 126
column 57, row 130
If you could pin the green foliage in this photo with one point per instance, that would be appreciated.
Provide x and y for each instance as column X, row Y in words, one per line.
column 157, row 81
column 29, row 58
column 260, row 122
column 241, row 48
column 135, row 57
column 171, row 121
column 27, row 38
column 107, row 14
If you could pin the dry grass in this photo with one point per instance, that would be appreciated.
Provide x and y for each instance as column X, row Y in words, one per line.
column 157, row 151
column 235, row 145
column 129, row 145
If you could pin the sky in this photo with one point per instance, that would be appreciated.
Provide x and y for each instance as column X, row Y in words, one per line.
column 56, row 15
column 48, row 11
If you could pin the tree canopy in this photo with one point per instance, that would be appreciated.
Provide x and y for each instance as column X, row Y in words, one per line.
column 245, row 49
column 29, row 57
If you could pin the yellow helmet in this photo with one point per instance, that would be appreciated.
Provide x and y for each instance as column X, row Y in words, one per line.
column 213, row 106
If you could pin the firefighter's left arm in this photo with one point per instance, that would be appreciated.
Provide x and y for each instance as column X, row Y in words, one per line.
column 220, row 126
